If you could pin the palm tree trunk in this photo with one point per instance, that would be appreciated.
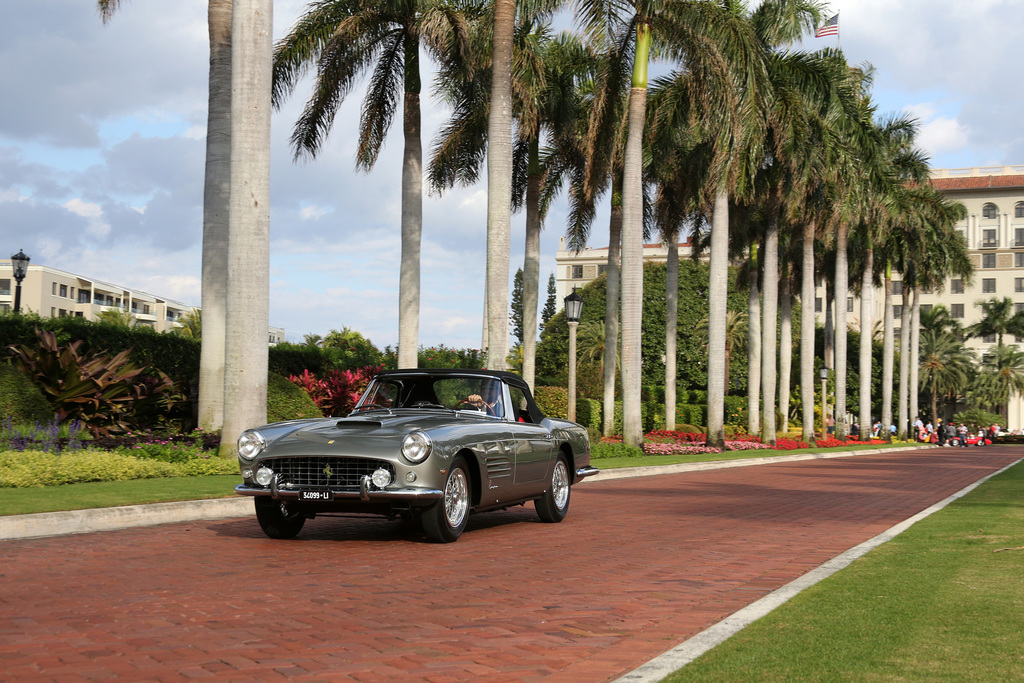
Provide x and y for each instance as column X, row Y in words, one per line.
column 915, row 351
column 671, row 329
column 499, row 185
column 866, row 328
column 807, row 335
column 830, row 327
column 769, row 328
column 248, row 271
column 904, row 415
column 753, row 348
column 216, row 199
column 785, row 348
column 531, row 266
column 718, row 296
column 412, row 229
column 632, row 246
column 611, row 309
column 842, row 291
column 888, row 351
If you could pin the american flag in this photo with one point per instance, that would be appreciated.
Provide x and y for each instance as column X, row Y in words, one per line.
column 829, row 28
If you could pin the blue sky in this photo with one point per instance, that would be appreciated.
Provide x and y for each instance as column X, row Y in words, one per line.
column 101, row 157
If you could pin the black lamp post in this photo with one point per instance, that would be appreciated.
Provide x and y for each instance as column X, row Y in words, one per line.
column 573, row 308
column 20, row 264
column 823, row 373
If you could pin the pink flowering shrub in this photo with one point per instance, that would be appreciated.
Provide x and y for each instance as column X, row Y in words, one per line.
column 337, row 393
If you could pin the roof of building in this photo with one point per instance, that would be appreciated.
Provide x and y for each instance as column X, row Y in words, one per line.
column 986, row 182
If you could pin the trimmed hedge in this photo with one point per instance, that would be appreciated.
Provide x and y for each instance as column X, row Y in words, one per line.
column 288, row 401
column 552, row 401
column 26, row 469
column 20, row 400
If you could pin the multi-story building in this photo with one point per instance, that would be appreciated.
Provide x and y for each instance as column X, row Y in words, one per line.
column 993, row 229
column 54, row 293
column 574, row 269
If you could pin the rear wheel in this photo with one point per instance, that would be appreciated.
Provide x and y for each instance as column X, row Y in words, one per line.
column 554, row 504
column 445, row 520
column 277, row 520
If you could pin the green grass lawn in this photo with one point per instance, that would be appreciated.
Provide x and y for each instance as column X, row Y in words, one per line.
column 940, row 602
column 113, row 493
column 140, row 491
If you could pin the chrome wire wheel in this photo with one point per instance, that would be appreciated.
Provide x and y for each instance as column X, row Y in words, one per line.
column 456, row 498
column 560, row 485
column 553, row 504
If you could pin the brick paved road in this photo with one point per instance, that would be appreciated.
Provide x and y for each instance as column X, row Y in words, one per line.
column 638, row 566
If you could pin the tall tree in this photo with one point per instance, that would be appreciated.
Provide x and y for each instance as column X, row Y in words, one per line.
column 215, row 211
column 344, row 39
column 248, row 302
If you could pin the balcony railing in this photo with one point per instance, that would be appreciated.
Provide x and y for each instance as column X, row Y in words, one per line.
column 988, row 244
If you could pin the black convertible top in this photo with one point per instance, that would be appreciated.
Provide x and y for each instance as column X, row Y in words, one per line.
column 509, row 378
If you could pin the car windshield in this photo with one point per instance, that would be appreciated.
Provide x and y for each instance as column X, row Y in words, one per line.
column 425, row 392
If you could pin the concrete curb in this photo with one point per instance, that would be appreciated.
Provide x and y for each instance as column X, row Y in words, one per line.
column 627, row 472
column 108, row 519
column 45, row 524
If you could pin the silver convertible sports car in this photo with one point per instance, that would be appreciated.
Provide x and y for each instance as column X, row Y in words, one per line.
column 431, row 445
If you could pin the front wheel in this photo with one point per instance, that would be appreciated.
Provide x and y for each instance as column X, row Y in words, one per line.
column 554, row 504
column 445, row 520
column 277, row 520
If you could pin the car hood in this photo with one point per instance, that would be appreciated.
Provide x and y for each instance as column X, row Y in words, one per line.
column 375, row 434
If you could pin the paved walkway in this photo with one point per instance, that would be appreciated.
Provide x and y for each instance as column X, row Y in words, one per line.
column 637, row 567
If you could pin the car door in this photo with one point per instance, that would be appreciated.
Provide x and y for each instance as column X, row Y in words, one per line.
column 534, row 445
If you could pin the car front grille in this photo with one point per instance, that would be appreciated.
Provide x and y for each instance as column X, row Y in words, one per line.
column 323, row 471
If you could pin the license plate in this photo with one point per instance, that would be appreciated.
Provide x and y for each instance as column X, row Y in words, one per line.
column 316, row 495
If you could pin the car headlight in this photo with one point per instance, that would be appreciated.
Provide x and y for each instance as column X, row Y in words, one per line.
column 250, row 444
column 416, row 447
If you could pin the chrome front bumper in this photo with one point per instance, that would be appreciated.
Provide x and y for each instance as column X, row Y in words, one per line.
column 365, row 493
column 587, row 471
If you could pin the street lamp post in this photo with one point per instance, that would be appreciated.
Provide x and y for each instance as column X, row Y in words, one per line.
column 823, row 373
column 20, row 264
column 573, row 308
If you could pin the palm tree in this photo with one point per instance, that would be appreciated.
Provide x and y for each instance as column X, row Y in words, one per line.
column 997, row 319
column 344, row 39
column 116, row 317
column 546, row 99
column 191, row 325
column 215, row 211
column 248, row 272
column 1002, row 374
column 946, row 365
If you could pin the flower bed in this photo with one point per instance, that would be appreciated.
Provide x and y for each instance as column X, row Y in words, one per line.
column 663, row 442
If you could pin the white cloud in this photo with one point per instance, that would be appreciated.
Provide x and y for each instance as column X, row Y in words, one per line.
column 97, row 225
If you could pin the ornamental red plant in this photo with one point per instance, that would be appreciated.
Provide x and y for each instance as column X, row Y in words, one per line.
column 337, row 393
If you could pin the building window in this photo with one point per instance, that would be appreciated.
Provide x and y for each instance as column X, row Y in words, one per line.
column 988, row 260
column 989, row 339
column 1018, row 210
column 988, row 239
column 5, row 286
column 849, row 304
column 1018, row 260
column 957, row 311
column 53, row 289
column 71, row 294
column 988, row 285
column 1018, row 285
column 989, row 211
column 817, row 304
column 602, row 269
column 1018, row 237
column 83, row 297
column 64, row 291
column 925, row 308
column 577, row 272
column 1018, row 308
column 897, row 312
column 897, row 288
column 956, row 286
